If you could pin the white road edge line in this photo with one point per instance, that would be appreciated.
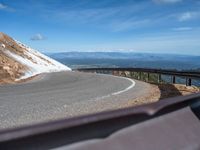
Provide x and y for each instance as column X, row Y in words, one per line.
column 128, row 88
column 119, row 92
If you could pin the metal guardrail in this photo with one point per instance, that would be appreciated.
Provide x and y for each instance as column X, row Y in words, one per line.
column 188, row 75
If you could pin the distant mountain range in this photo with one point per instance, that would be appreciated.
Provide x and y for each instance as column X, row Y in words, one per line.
column 120, row 55
column 127, row 59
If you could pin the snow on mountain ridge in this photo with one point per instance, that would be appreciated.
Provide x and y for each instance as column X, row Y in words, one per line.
column 42, row 63
column 28, row 62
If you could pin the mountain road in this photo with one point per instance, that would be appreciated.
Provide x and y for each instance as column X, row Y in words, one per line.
column 58, row 95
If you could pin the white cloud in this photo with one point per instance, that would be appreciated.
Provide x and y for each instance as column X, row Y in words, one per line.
column 37, row 37
column 180, row 43
column 167, row 1
column 5, row 7
column 188, row 16
column 2, row 6
column 105, row 17
column 182, row 29
column 129, row 24
column 185, row 16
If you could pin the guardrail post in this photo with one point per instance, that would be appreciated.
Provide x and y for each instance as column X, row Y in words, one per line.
column 140, row 75
column 159, row 78
column 173, row 79
column 188, row 81
column 148, row 77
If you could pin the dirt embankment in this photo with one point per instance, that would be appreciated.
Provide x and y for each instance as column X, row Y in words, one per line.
column 162, row 91
column 171, row 90
column 10, row 69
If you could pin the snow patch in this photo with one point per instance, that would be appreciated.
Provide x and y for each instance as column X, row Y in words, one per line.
column 2, row 45
column 36, row 62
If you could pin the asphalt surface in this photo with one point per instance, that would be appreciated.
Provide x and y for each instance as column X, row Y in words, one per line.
column 64, row 94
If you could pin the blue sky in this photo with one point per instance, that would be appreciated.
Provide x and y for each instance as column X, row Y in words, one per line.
column 155, row 26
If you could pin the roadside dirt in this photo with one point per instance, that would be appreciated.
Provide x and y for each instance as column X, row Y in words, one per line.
column 153, row 96
column 171, row 90
column 162, row 91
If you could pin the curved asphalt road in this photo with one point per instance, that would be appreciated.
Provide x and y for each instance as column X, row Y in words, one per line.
column 64, row 94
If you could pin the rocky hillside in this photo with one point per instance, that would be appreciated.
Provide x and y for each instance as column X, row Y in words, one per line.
column 18, row 61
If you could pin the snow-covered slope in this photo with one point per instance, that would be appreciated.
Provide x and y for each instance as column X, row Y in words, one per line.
column 36, row 62
column 28, row 62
